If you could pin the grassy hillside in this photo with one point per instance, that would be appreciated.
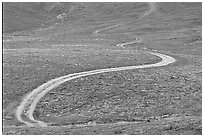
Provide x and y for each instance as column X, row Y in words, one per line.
column 29, row 16
column 56, row 39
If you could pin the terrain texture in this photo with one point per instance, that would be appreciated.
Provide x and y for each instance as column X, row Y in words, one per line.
column 92, row 46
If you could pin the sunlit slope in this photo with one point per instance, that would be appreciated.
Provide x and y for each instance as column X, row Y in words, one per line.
column 29, row 16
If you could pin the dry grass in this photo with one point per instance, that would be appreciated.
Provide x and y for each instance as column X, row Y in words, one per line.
column 26, row 69
column 166, row 100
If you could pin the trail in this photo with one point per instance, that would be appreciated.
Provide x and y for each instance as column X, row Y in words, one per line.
column 31, row 100
column 152, row 8
column 28, row 105
column 122, row 44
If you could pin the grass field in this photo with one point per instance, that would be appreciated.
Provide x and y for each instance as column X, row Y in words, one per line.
column 163, row 100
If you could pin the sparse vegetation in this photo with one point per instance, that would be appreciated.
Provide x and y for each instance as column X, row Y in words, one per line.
column 163, row 100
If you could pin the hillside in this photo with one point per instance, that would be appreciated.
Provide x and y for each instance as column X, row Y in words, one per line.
column 97, row 64
column 29, row 16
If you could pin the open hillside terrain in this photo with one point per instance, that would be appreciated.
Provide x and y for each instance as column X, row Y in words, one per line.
column 102, row 68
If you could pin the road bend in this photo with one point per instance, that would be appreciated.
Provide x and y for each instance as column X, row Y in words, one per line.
column 25, row 110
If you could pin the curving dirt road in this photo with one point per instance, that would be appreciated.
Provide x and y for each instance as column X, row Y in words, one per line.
column 30, row 101
column 152, row 8
column 27, row 106
column 122, row 44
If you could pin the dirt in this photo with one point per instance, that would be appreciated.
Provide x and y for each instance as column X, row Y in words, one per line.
column 166, row 100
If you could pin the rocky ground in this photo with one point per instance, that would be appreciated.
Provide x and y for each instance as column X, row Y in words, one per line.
column 164, row 100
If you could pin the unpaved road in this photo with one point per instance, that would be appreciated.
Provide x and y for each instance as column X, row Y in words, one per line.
column 30, row 101
column 152, row 8
column 27, row 106
column 123, row 44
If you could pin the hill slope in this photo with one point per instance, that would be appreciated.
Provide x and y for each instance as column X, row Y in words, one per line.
column 57, row 39
column 28, row 16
